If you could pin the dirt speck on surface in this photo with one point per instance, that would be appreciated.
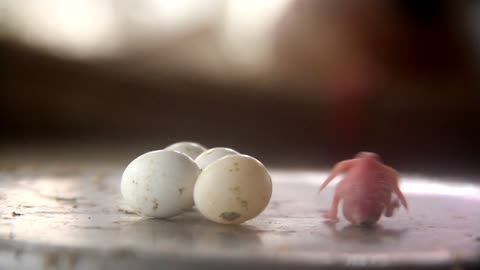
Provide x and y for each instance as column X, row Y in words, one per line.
column 64, row 199
column 235, row 190
column 126, row 211
column 180, row 191
column 230, row 216
column 477, row 239
column 15, row 214
column 155, row 204
column 99, row 228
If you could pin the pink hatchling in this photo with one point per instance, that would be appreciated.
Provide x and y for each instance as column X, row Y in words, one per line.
column 366, row 190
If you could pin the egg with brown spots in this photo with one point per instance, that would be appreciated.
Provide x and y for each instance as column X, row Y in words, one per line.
column 160, row 183
column 233, row 189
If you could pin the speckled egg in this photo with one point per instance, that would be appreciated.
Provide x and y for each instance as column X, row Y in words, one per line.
column 213, row 154
column 160, row 183
column 233, row 189
column 190, row 149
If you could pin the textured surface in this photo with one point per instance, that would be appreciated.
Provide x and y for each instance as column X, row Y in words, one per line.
column 70, row 216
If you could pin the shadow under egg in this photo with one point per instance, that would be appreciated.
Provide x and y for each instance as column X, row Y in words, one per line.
column 191, row 230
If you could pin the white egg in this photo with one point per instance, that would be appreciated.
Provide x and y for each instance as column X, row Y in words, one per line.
column 209, row 156
column 160, row 183
column 190, row 149
column 233, row 189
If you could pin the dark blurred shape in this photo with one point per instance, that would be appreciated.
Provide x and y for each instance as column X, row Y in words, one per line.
column 425, row 12
column 392, row 72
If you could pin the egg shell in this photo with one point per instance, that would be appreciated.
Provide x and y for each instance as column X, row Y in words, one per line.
column 209, row 156
column 191, row 149
column 233, row 189
column 160, row 183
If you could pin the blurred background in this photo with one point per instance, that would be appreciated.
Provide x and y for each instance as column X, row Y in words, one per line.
column 295, row 83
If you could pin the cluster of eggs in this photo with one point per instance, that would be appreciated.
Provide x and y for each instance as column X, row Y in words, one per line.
column 224, row 185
